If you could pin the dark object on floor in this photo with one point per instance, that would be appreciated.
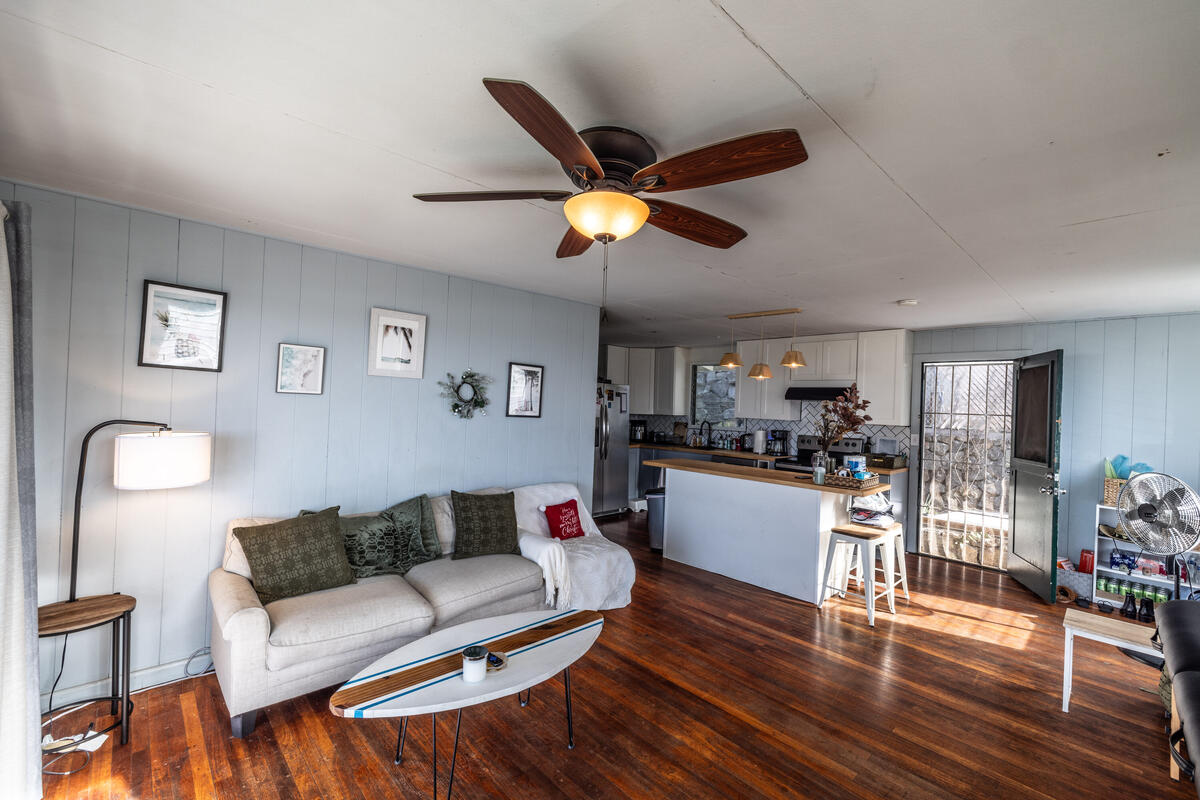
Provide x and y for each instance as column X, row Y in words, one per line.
column 1083, row 602
column 1065, row 594
column 1129, row 610
column 1104, row 607
column 1146, row 612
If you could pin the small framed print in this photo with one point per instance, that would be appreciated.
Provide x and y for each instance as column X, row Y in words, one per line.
column 525, row 390
column 301, row 369
column 396, row 344
column 182, row 327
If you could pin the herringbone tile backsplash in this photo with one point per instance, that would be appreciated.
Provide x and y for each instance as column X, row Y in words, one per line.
column 806, row 426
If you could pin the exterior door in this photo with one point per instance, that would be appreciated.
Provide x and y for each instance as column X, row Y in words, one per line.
column 1036, row 430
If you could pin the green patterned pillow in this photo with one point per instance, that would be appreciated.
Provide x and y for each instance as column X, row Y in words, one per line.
column 484, row 524
column 418, row 510
column 295, row 556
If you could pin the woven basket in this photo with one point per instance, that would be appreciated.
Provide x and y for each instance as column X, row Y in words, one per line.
column 1112, row 490
column 839, row 482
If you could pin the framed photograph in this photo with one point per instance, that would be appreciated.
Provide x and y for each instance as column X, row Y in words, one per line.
column 396, row 344
column 301, row 369
column 525, row 390
column 182, row 327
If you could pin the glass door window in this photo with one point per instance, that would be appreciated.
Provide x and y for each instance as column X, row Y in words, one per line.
column 966, row 432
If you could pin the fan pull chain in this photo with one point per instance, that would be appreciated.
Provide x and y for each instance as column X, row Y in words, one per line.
column 604, row 288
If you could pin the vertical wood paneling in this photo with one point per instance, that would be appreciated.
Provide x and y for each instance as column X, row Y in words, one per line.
column 1149, row 379
column 53, row 249
column 404, row 479
column 1084, row 482
column 274, row 443
column 963, row 340
column 943, row 341
column 1008, row 337
column 189, row 510
column 985, row 340
column 145, row 395
column 345, row 367
column 7, row 190
column 922, row 342
column 376, row 422
column 364, row 443
column 1061, row 336
column 1181, row 453
column 1116, row 421
column 97, row 334
column 312, row 411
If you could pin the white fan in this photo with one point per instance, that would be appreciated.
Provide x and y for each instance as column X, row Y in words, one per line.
column 1160, row 514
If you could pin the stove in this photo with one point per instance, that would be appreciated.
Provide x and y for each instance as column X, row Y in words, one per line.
column 807, row 445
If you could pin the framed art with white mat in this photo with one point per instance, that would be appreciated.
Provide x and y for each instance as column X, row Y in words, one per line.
column 396, row 344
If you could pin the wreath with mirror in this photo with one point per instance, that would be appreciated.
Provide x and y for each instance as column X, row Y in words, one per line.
column 467, row 394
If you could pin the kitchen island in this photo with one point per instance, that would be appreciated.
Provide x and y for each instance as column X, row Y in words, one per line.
column 766, row 527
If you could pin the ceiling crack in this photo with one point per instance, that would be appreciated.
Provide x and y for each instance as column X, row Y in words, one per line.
column 788, row 76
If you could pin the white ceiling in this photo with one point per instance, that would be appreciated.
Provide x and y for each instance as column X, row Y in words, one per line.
column 999, row 161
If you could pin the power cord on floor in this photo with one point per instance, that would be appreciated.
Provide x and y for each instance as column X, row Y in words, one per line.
column 49, row 725
column 187, row 667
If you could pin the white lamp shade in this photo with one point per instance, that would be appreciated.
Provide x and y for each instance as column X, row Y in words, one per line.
column 164, row 460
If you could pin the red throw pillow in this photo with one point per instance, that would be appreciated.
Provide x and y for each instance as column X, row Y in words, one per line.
column 564, row 520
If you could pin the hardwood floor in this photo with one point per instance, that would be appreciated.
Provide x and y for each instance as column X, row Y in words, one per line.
column 707, row 687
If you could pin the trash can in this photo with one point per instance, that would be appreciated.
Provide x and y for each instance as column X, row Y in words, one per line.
column 656, row 501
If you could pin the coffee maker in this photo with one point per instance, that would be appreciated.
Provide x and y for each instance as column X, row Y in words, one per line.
column 777, row 442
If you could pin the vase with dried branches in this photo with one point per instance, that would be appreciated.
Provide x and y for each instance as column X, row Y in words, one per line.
column 839, row 417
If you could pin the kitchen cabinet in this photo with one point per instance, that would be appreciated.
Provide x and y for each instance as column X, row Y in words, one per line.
column 839, row 360
column 614, row 364
column 640, row 374
column 671, row 390
column 812, row 352
column 885, row 375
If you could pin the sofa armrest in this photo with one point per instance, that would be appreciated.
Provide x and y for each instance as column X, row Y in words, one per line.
column 237, row 611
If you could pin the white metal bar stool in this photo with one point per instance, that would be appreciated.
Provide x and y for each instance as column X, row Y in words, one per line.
column 867, row 543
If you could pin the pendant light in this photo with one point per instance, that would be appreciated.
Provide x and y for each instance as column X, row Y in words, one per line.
column 760, row 371
column 793, row 359
column 731, row 360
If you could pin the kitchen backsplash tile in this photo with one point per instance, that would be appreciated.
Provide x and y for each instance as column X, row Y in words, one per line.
column 806, row 426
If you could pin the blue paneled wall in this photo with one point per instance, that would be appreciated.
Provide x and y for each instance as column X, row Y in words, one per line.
column 1130, row 385
column 365, row 443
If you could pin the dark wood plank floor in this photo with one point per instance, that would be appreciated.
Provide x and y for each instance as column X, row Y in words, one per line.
column 707, row 687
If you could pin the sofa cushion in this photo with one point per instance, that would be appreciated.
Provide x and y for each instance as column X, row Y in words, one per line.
column 296, row 556
column 344, row 619
column 455, row 587
column 484, row 525
column 235, row 558
column 443, row 517
column 563, row 519
column 417, row 512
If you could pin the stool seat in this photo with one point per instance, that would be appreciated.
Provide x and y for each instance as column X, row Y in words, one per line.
column 865, row 531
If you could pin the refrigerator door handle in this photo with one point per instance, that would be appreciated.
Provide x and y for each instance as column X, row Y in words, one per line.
column 604, row 428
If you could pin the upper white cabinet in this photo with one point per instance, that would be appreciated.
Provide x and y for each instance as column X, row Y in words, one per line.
column 671, row 390
column 640, row 376
column 885, row 375
column 839, row 360
column 614, row 363
column 812, row 352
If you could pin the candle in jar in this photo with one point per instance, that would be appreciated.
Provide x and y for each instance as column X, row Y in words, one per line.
column 474, row 663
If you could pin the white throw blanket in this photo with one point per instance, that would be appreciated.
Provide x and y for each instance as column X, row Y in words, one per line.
column 549, row 555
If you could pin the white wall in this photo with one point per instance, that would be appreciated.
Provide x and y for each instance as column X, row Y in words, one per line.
column 365, row 443
column 1130, row 385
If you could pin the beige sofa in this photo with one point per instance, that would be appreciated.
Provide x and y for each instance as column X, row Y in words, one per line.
column 266, row 654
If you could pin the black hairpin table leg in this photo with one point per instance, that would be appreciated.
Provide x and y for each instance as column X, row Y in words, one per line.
column 401, row 735
column 454, row 757
column 570, row 722
column 126, row 631
column 524, row 701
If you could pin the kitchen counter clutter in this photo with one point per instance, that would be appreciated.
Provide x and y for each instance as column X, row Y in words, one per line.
column 765, row 527
column 682, row 448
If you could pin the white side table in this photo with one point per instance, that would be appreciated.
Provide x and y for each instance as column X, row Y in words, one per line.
column 1108, row 629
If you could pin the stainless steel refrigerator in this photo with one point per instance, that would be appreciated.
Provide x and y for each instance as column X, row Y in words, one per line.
column 610, row 481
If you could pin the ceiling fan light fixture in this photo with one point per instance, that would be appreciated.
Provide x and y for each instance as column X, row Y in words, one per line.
column 605, row 214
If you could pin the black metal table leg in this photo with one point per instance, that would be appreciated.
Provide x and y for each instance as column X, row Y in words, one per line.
column 116, row 665
column 570, row 722
column 524, row 701
column 126, row 635
column 454, row 758
column 401, row 735
column 434, row 763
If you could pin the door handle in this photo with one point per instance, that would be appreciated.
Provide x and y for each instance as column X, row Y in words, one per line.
column 1052, row 490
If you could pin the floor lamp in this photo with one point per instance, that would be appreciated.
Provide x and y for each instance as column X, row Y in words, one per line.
column 163, row 459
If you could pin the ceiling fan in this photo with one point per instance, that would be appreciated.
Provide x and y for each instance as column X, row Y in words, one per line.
column 611, row 165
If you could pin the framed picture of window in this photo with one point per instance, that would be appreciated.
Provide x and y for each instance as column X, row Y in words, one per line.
column 182, row 327
column 396, row 344
column 301, row 369
column 525, row 390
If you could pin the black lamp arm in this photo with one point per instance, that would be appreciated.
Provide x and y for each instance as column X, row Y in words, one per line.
column 83, row 453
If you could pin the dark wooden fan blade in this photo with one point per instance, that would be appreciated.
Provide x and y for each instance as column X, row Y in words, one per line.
column 732, row 160
column 543, row 122
column 692, row 224
column 463, row 197
column 573, row 244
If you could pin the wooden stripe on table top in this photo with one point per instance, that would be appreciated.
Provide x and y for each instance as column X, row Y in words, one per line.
column 357, row 694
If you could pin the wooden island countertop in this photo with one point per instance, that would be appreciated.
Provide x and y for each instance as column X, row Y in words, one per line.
column 683, row 448
column 781, row 477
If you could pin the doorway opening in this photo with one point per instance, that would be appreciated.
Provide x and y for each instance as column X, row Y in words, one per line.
column 966, row 452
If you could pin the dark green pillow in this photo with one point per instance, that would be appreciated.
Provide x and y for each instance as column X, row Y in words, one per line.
column 418, row 510
column 484, row 524
column 370, row 544
column 296, row 556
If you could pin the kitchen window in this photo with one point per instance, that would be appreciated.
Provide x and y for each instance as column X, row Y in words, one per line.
column 714, row 391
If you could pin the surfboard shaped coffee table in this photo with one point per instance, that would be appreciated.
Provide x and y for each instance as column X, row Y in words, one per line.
column 425, row 677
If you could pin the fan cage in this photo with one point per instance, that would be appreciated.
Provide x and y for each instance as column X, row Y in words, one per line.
column 1159, row 513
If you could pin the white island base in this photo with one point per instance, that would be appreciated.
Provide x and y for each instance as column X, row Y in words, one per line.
column 769, row 530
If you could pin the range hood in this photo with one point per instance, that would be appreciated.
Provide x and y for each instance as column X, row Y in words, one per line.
column 813, row 392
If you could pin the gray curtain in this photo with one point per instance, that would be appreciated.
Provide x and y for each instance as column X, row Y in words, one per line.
column 20, row 752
